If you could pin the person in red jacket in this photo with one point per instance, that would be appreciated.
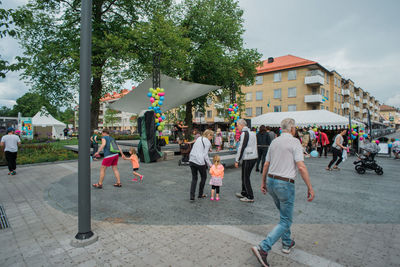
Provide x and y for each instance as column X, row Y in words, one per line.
column 323, row 142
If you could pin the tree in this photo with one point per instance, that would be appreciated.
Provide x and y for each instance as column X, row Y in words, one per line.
column 6, row 112
column 6, row 23
column 67, row 116
column 125, row 35
column 110, row 117
column 30, row 103
column 217, row 53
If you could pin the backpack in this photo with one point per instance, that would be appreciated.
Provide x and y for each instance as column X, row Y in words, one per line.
column 113, row 146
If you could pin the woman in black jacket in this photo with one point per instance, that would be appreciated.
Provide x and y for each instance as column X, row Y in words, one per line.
column 262, row 146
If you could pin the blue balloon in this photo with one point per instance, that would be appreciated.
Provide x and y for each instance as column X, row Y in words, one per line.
column 158, row 124
column 365, row 135
column 163, row 117
column 232, row 127
column 160, row 103
column 230, row 106
column 149, row 94
column 150, row 107
column 389, row 145
column 161, row 97
column 314, row 153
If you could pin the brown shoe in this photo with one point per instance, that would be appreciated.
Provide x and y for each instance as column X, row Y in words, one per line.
column 261, row 255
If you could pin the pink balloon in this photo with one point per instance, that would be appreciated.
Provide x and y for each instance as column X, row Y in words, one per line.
column 230, row 109
column 361, row 138
column 151, row 99
column 161, row 93
column 160, row 119
column 377, row 142
column 235, row 105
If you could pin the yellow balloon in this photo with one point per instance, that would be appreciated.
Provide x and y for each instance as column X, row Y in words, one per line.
column 157, row 121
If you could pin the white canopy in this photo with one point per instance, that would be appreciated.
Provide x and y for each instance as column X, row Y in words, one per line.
column 303, row 119
column 43, row 119
column 177, row 92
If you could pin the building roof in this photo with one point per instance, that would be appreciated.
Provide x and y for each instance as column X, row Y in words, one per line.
column 284, row 62
column 115, row 95
column 387, row 108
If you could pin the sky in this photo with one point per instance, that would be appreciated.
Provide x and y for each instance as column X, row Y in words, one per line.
column 360, row 39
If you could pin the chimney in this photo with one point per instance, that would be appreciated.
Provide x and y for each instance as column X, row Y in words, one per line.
column 270, row 59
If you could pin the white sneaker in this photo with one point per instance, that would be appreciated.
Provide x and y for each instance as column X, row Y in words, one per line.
column 245, row 199
column 239, row 195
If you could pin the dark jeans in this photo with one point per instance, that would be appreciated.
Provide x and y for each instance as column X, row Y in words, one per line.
column 247, row 167
column 323, row 149
column 336, row 154
column 203, row 176
column 216, row 188
column 262, row 153
column 11, row 158
column 95, row 147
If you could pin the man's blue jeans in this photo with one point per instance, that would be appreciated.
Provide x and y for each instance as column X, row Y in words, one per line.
column 283, row 194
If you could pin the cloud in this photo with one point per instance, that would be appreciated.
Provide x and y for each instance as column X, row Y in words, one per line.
column 11, row 88
column 393, row 101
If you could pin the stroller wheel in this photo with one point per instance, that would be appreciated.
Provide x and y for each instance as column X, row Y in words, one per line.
column 379, row 171
column 360, row 169
column 179, row 163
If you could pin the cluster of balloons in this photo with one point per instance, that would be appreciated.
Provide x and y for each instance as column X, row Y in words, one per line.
column 156, row 100
column 233, row 114
column 390, row 144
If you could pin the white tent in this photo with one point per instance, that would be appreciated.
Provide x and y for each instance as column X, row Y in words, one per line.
column 44, row 119
column 304, row 118
column 177, row 92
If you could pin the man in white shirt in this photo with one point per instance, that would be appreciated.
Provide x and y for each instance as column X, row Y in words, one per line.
column 247, row 152
column 10, row 142
column 284, row 154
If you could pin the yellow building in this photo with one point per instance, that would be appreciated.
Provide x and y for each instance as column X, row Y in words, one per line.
column 291, row 83
column 391, row 116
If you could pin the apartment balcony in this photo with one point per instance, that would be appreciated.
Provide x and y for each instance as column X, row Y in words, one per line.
column 365, row 111
column 219, row 119
column 346, row 92
column 199, row 119
column 313, row 98
column 357, row 98
column 365, row 101
column 356, row 109
column 346, row 105
column 314, row 77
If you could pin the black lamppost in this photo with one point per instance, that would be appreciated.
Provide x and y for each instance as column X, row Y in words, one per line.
column 85, row 236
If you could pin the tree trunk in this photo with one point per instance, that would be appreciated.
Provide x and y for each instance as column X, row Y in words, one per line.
column 96, row 89
column 189, row 117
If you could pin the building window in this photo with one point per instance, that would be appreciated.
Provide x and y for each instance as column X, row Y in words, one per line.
column 277, row 108
column 259, row 79
column 249, row 96
column 327, row 108
column 259, row 95
column 322, row 107
column 277, row 76
column 278, row 93
column 291, row 107
column 335, row 96
column 327, row 78
column 249, row 112
column 209, row 113
column 197, row 114
column 292, row 92
column 292, row 75
column 322, row 91
column 335, row 110
column 259, row 111
column 327, row 93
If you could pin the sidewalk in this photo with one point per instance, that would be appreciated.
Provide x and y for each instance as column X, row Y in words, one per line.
column 43, row 221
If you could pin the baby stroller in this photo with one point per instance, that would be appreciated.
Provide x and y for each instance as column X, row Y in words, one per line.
column 185, row 149
column 367, row 161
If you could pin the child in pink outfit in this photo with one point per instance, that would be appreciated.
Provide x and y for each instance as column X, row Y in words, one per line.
column 217, row 174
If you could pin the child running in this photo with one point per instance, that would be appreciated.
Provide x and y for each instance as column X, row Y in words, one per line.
column 135, row 163
column 217, row 174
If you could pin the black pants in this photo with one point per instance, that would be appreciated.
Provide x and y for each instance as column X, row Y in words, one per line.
column 336, row 154
column 247, row 167
column 323, row 149
column 262, row 153
column 203, row 176
column 216, row 188
column 95, row 147
column 11, row 158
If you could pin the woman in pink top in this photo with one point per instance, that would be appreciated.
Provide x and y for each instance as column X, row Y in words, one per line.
column 217, row 174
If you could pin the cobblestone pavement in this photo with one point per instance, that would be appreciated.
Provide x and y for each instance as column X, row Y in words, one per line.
column 354, row 220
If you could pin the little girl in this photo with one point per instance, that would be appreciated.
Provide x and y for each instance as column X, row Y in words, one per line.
column 218, row 139
column 217, row 174
column 135, row 163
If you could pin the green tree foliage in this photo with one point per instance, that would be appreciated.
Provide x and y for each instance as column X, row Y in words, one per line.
column 125, row 34
column 217, row 53
column 66, row 116
column 6, row 29
column 30, row 103
column 110, row 117
column 6, row 112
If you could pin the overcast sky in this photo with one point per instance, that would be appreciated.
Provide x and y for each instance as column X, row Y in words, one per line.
column 360, row 39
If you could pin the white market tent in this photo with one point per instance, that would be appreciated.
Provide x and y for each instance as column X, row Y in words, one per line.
column 304, row 119
column 177, row 92
column 44, row 119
